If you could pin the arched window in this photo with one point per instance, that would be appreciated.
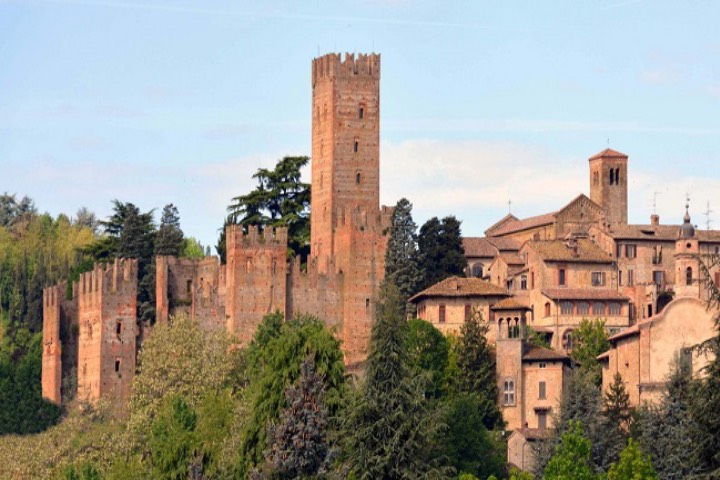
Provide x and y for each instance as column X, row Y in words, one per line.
column 477, row 270
column 547, row 309
column 598, row 308
column 566, row 308
column 688, row 276
column 612, row 176
column 583, row 308
column 514, row 328
column 509, row 392
column 500, row 328
column 615, row 309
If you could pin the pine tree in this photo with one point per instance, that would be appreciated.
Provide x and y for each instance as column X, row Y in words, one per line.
column 616, row 404
column 169, row 239
column 389, row 432
column 476, row 368
column 298, row 443
column 401, row 254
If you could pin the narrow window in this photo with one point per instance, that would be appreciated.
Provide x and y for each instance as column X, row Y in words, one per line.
column 509, row 392
column 620, row 278
column 118, row 328
column 188, row 287
column 617, row 176
column 612, row 176
column 717, row 278
column 468, row 311
column 630, row 278
column 650, row 310
column 542, row 420
column 658, row 277
column 631, row 251
column 598, row 308
column 117, row 365
column 441, row 318
column 567, row 340
column 523, row 282
column 357, row 178
column 595, row 178
column 547, row 309
column 355, row 147
column 688, row 276
column 583, row 308
column 532, row 279
column 566, row 308
column 598, row 279
column 561, row 277
column 615, row 309
column 619, row 250
column 361, row 113
column 543, row 365
column 367, row 303
column 541, row 391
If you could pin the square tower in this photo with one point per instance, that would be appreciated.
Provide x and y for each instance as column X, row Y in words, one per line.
column 345, row 144
column 608, row 184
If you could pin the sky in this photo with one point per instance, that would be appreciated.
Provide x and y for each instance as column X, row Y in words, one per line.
column 485, row 106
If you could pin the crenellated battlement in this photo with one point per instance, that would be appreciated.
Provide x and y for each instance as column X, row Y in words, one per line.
column 106, row 279
column 311, row 270
column 334, row 65
column 361, row 219
column 268, row 237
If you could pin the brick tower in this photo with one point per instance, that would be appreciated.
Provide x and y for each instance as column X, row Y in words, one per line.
column 345, row 144
column 608, row 184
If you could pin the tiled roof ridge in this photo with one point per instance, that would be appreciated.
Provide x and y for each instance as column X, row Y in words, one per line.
column 608, row 152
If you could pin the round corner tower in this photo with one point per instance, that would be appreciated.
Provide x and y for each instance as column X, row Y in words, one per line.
column 345, row 144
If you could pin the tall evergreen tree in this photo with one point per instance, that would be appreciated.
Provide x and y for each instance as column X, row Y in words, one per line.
column 572, row 457
column 476, row 368
column 401, row 255
column 169, row 239
column 616, row 404
column 298, row 443
column 440, row 251
column 633, row 465
column 389, row 432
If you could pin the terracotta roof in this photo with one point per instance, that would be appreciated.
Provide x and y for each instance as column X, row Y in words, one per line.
column 533, row 433
column 524, row 224
column 505, row 243
column 603, row 356
column 461, row 287
column 644, row 232
column 513, row 260
column 510, row 303
column 507, row 218
column 584, row 294
column 479, row 247
column 608, row 152
column 562, row 251
column 627, row 332
column 512, row 271
column 541, row 353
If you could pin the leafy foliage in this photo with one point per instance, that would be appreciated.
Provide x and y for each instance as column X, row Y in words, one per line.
column 279, row 200
column 572, row 457
column 173, row 440
column 428, row 352
column 389, row 432
column 590, row 340
column 440, row 250
column 632, row 465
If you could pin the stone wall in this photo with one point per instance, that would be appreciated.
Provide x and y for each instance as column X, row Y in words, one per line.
column 314, row 293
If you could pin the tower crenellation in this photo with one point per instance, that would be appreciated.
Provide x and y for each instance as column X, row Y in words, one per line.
column 337, row 65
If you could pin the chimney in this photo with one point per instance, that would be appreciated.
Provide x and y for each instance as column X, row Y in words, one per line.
column 654, row 220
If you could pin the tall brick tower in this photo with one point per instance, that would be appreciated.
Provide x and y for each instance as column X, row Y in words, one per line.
column 345, row 144
column 608, row 184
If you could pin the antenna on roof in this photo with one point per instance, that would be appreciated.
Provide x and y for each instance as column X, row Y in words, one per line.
column 655, row 195
column 707, row 213
column 608, row 142
column 509, row 207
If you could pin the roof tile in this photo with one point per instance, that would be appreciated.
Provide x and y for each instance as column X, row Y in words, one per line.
column 461, row 287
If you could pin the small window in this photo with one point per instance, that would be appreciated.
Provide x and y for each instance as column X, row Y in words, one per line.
column 357, row 178
column 630, row 278
column 583, row 308
column 631, row 251
column 118, row 328
column 620, row 278
column 509, row 392
column 617, row 176
column 619, row 250
column 188, row 287
column 547, row 309
column 598, row 279
column 612, row 176
column 598, row 308
column 632, row 312
column 441, row 316
column 367, row 303
column 650, row 310
column 567, row 340
column 717, row 250
column 523, row 282
column 543, row 364
column 595, row 178
column 658, row 277
column 468, row 312
column 541, row 391
column 355, row 146
column 561, row 277
column 615, row 309
column 566, row 308
column 361, row 113
column 532, row 279
column 688, row 276
column 542, row 420
column 117, row 365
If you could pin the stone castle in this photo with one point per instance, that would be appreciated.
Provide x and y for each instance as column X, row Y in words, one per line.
column 93, row 333
column 543, row 274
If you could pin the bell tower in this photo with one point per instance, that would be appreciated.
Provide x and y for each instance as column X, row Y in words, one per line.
column 608, row 184
column 345, row 145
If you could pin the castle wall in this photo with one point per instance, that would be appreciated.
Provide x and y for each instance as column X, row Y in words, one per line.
column 107, row 314
column 314, row 293
column 256, row 278
column 52, row 348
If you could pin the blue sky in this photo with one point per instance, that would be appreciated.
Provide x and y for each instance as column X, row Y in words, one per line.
column 481, row 102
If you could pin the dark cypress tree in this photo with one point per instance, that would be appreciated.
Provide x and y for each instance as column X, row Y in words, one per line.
column 389, row 432
column 476, row 368
column 298, row 443
column 169, row 239
column 401, row 255
column 440, row 251
column 616, row 404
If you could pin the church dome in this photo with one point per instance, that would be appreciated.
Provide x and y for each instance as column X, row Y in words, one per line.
column 687, row 230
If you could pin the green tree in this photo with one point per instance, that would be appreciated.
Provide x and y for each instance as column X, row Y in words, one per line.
column 192, row 248
column 616, row 404
column 389, row 431
column 440, row 251
column 469, row 447
column 401, row 255
column 571, row 460
column 428, row 351
column 590, row 340
column 476, row 368
column 298, row 443
column 279, row 200
column 173, row 440
column 169, row 238
column 633, row 465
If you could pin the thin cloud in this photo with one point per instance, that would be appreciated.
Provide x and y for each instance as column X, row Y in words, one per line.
column 662, row 76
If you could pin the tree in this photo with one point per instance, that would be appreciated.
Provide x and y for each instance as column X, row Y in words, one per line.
column 173, row 441
column 632, row 465
column 616, row 404
column 389, row 432
column 590, row 340
column 192, row 248
column 469, row 447
column 87, row 219
column 476, row 368
column 401, row 255
column 298, row 443
column 572, row 457
column 280, row 200
column 169, row 238
column 428, row 351
column 440, row 251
